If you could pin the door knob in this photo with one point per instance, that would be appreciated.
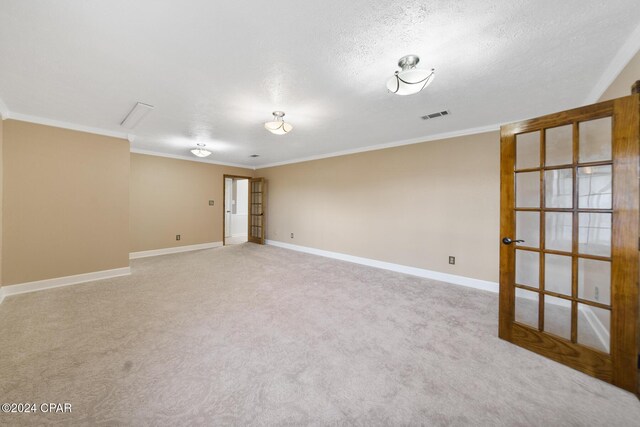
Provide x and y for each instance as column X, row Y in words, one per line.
column 508, row 241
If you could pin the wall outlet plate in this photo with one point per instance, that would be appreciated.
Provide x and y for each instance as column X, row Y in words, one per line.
column 177, row 237
column 452, row 260
column 292, row 235
column 211, row 202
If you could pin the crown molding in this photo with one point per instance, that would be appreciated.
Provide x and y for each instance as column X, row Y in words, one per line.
column 65, row 125
column 188, row 158
column 624, row 55
column 6, row 114
column 436, row 137
column 445, row 135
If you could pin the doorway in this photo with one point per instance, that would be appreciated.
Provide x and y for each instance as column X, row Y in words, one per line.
column 236, row 209
column 569, row 238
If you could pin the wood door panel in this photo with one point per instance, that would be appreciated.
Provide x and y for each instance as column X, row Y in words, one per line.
column 619, row 365
column 581, row 114
column 625, row 241
column 507, row 223
column 257, row 203
column 578, row 357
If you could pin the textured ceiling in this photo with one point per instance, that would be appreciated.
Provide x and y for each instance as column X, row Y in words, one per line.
column 216, row 70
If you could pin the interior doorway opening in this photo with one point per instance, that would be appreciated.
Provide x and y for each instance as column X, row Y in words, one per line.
column 236, row 209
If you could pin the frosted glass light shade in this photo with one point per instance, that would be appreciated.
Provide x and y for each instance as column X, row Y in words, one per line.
column 278, row 127
column 410, row 81
column 201, row 152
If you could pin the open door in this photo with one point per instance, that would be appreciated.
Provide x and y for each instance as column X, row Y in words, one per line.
column 257, row 199
column 569, row 238
column 235, row 209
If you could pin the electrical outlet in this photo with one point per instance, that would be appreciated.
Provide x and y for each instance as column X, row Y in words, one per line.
column 177, row 237
column 211, row 202
column 292, row 235
column 452, row 260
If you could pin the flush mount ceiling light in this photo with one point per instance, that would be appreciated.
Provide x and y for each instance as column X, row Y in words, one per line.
column 200, row 151
column 278, row 126
column 409, row 79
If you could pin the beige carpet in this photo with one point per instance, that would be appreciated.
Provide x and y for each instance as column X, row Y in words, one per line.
column 257, row 335
column 235, row 240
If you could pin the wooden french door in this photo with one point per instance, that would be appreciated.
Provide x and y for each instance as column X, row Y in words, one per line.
column 569, row 238
column 257, row 199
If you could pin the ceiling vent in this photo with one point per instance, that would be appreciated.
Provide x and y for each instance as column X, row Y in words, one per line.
column 135, row 116
column 436, row 115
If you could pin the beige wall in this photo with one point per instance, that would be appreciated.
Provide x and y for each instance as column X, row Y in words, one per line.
column 621, row 86
column 65, row 200
column 66, row 205
column 413, row 205
column 1, row 188
column 170, row 196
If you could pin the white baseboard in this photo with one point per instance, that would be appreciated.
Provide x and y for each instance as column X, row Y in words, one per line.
column 239, row 235
column 599, row 329
column 174, row 250
column 484, row 285
column 40, row 285
column 1, row 294
column 596, row 325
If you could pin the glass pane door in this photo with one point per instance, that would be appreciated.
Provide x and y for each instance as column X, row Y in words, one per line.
column 569, row 224
column 256, row 210
column 563, row 219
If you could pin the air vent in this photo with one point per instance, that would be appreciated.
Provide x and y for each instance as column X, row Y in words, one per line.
column 435, row 115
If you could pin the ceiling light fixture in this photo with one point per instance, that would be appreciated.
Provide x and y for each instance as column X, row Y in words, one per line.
column 409, row 80
column 278, row 126
column 200, row 151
